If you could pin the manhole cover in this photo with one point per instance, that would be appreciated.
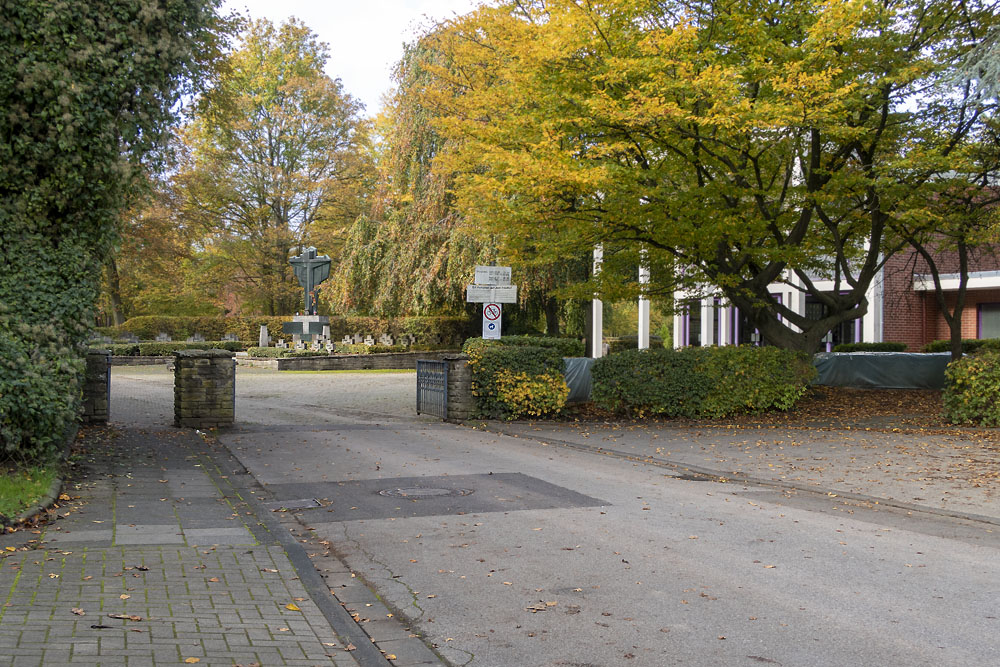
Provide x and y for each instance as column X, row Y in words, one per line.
column 300, row 504
column 423, row 492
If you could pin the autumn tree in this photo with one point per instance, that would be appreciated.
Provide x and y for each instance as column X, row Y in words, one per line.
column 273, row 155
column 737, row 143
column 413, row 253
column 410, row 253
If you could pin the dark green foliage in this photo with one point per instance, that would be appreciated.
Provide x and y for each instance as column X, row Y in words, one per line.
column 622, row 343
column 968, row 345
column 567, row 347
column 701, row 382
column 972, row 389
column 870, row 347
column 638, row 382
column 510, row 381
column 40, row 379
column 157, row 349
column 121, row 349
column 88, row 91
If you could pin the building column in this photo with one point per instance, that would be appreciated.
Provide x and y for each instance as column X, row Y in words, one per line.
column 643, row 306
column 597, row 311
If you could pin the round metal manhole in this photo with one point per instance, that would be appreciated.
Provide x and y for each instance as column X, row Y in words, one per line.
column 423, row 492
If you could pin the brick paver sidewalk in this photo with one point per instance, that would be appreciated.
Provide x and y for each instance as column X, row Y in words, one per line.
column 159, row 561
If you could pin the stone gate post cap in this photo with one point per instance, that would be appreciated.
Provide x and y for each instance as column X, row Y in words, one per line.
column 204, row 354
column 98, row 352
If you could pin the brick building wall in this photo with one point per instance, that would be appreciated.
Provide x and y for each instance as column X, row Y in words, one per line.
column 912, row 316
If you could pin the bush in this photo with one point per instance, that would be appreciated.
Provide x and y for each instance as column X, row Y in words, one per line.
column 972, row 389
column 870, row 347
column 968, row 345
column 701, row 382
column 513, row 381
column 638, row 382
column 40, row 379
column 167, row 349
column 282, row 352
column 567, row 347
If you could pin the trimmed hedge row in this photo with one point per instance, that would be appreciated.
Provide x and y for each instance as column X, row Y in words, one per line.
column 968, row 345
column 701, row 382
column 513, row 379
column 147, row 327
column 338, row 348
column 622, row 343
column 870, row 347
column 167, row 349
column 972, row 389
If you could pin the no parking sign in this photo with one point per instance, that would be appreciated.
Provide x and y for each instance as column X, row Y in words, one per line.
column 491, row 321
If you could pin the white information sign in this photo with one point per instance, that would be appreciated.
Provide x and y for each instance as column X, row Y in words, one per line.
column 491, row 293
column 492, row 275
column 491, row 321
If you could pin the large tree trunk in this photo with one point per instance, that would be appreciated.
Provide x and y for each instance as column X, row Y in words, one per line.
column 552, row 317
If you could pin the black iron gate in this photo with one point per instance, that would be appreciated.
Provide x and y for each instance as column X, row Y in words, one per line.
column 432, row 388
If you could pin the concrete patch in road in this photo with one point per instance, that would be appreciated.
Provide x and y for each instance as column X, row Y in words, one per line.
column 401, row 497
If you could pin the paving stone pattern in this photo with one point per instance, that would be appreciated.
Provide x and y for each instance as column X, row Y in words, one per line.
column 158, row 542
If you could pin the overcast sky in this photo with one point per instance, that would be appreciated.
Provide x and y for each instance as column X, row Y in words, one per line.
column 365, row 37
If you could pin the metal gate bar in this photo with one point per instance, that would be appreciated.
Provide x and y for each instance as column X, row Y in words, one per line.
column 432, row 387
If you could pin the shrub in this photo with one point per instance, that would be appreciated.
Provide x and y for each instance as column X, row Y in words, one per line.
column 121, row 349
column 282, row 352
column 40, row 378
column 701, row 382
column 531, row 395
column 512, row 381
column 638, row 382
column 968, row 345
column 750, row 379
column 167, row 349
column 870, row 347
column 972, row 389
column 567, row 347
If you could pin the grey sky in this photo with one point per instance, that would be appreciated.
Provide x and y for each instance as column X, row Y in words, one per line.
column 365, row 36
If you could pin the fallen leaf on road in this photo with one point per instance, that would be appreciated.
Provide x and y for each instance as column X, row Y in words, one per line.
column 191, row 661
column 292, row 606
column 78, row 611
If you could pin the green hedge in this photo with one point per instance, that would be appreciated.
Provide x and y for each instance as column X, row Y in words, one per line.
column 451, row 330
column 870, row 347
column 701, row 382
column 567, row 347
column 158, row 349
column 40, row 379
column 518, row 380
column 968, row 345
column 972, row 389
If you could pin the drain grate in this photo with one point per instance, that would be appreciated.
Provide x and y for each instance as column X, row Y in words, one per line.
column 300, row 504
column 417, row 492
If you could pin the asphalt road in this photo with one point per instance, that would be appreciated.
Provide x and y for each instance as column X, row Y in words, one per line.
column 508, row 551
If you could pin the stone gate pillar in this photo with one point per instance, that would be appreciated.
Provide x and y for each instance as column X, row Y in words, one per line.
column 461, row 402
column 97, row 388
column 204, row 388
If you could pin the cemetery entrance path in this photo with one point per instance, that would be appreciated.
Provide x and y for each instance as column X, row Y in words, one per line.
column 499, row 550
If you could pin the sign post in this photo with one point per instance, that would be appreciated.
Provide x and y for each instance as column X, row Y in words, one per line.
column 491, row 321
column 492, row 288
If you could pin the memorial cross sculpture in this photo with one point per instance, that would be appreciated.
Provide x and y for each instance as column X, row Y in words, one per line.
column 311, row 270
